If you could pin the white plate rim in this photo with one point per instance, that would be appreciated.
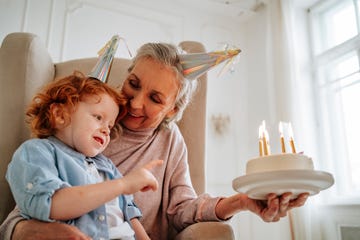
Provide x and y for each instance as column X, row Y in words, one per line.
column 258, row 185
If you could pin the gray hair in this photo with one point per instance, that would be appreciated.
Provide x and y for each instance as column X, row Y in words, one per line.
column 168, row 55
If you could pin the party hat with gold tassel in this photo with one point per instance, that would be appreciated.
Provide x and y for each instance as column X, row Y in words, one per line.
column 196, row 64
column 106, row 55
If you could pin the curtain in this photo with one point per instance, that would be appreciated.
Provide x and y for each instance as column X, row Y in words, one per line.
column 291, row 87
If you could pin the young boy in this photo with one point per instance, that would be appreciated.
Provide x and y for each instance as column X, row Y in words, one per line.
column 62, row 176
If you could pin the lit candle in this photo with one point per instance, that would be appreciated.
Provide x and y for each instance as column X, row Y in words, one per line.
column 261, row 153
column 264, row 140
column 268, row 149
column 291, row 136
column 282, row 141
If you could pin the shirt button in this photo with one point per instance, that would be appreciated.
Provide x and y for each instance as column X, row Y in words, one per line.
column 29, row 186
column 101, row 218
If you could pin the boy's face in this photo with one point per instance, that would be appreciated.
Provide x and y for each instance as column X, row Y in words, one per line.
column 90, row 123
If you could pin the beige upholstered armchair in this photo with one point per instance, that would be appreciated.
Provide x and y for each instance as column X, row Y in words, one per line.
column 25, row 65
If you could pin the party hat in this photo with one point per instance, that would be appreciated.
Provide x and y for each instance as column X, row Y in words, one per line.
column 196, row 64
column 106, row 55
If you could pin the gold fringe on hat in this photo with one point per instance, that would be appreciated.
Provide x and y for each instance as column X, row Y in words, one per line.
column 196, row 64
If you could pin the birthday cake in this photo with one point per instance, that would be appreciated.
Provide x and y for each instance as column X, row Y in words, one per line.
column 280, row 173
column 268, row 162
column 276, row 162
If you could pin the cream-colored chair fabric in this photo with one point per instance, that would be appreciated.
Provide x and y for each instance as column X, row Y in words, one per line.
column 25, row 65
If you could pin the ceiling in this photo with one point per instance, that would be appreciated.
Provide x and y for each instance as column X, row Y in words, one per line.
column 236, row 8
column 233, row 9
column 229, row 8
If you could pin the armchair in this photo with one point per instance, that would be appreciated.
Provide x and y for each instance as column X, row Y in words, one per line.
column 25, row 65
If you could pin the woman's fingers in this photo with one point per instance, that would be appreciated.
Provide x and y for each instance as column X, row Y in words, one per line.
column 284, row 204
column 299, row 201
column 270, row 213
column 277, row 206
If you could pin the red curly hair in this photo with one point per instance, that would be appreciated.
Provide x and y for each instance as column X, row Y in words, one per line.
column 66, row 93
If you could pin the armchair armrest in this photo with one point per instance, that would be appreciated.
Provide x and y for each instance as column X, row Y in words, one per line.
column 208, row 231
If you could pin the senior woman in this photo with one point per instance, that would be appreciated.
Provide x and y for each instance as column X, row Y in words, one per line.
column 158, row 94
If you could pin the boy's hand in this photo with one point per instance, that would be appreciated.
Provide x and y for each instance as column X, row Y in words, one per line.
column 141, row 179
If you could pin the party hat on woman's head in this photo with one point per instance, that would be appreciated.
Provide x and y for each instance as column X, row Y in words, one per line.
column 106, row 55
column 196, row 64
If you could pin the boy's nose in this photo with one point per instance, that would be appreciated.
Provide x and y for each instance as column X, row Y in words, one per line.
column 105, row 130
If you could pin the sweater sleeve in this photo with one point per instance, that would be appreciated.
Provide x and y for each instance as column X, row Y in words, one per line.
column 185, row 207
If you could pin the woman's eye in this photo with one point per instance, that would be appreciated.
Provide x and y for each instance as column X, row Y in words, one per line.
column 98, row 117
column 155, row 99
column 134, row 84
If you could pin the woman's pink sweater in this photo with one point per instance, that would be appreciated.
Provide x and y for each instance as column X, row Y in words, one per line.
column 175, row 204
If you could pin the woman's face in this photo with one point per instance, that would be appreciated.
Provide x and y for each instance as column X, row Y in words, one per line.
column 151, row 89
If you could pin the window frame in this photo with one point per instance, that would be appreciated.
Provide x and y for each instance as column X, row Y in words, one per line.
column 329, row 131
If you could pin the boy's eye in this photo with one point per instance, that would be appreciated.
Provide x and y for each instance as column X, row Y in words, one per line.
column 98, row 117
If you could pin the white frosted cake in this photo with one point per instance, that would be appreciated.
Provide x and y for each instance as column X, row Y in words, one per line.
column 275, row 162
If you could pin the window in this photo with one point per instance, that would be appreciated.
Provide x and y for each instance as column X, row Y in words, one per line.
column 336, row 55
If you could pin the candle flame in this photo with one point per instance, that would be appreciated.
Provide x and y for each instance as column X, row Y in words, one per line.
column 291, row 133
column 281, row 129
column 263, row 125
column 260, row 132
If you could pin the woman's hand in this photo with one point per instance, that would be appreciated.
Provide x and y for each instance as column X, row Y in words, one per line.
column 274, row 208
column 33, row 229
column 270, row 210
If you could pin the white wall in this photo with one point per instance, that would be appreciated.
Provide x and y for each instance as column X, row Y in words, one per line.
column 77, row 29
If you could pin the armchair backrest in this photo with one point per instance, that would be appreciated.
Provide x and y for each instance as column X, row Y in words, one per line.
column 25, row 66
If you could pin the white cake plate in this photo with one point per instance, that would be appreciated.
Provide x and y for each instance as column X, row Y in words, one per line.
column 259, row 185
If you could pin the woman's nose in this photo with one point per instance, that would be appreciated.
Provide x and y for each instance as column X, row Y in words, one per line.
column 137, row 101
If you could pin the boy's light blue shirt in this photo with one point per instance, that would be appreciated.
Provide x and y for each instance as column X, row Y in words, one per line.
column 39, row 167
